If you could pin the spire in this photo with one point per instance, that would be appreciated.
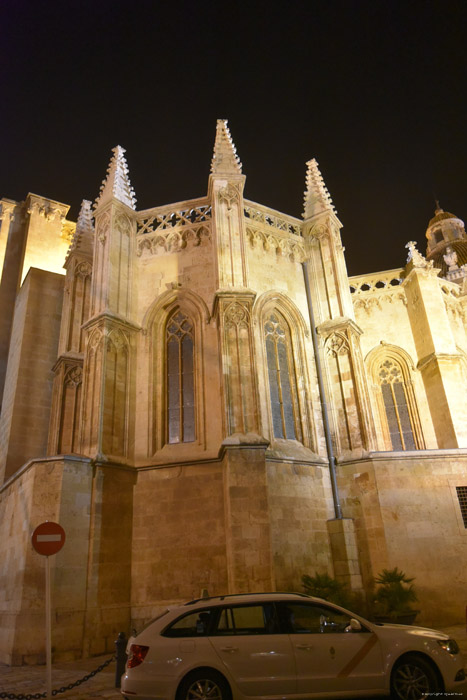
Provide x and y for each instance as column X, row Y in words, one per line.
column 317, row 199
column 225, row 160
column 117, row 183
column 83, row 236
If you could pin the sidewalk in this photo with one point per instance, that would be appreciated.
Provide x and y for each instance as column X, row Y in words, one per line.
column 31, row 679
column 28, row 680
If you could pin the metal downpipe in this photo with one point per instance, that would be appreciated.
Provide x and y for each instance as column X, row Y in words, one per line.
column 324, row 409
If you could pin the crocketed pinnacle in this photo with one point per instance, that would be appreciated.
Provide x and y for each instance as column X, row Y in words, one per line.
column 225, row 160
column 83, row 236
column 117, row 183
column 317, row 198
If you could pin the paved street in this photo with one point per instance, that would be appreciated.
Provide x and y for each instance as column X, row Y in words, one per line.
column 31, row 679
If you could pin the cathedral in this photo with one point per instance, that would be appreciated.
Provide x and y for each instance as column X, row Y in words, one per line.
column 204, row 399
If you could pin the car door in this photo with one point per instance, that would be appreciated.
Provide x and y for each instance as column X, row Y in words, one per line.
column 258, row 656
column 329, row 655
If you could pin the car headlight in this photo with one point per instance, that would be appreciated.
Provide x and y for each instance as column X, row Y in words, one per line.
column 449, row 645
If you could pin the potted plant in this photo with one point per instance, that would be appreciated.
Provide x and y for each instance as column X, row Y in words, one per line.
column 394, row 596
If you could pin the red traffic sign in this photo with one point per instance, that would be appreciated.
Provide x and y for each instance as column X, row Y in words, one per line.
column 48, row 538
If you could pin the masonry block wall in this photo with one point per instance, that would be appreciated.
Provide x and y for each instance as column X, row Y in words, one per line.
column 162, row 402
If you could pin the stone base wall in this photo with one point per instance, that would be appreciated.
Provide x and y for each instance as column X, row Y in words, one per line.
column 300, row 504
column 407, row 514
column 178, row 537
column 90, row 576
column 138, row 540
column 58, row 490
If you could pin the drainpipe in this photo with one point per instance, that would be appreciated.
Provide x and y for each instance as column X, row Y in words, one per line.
column 324, row 409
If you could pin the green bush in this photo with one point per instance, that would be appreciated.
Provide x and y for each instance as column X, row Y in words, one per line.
column 395, row 593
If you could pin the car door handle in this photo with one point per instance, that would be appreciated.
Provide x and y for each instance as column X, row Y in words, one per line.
column 306, row 647
column 230, row 649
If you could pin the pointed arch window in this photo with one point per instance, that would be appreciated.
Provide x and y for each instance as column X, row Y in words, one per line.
column 180, row 379
column 396, row 405
column 282, row 378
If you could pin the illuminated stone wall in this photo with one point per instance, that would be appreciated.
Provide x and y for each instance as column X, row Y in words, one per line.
column 225, row 485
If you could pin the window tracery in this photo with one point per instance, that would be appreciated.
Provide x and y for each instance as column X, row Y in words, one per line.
column 180, row 379
column 282, row 378
column 396, row 405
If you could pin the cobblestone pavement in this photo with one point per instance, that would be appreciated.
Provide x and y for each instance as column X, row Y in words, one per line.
column 31, row 679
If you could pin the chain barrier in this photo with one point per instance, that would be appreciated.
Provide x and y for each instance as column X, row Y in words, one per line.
column 63, row 689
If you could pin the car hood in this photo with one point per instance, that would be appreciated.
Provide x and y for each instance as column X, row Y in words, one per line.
column 412, row 630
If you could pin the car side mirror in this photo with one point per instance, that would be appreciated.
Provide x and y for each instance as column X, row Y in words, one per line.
column 354, row 625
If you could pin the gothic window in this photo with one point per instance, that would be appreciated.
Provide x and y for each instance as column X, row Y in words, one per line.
column 282, row 380
column 462, row 496
column 396, row 405
column 180, row 379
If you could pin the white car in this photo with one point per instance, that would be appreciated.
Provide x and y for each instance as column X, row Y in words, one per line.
column 285, row 645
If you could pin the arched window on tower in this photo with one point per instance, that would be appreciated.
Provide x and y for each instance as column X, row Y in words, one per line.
column 282, row 378
column 396, row 405
column 180, row 379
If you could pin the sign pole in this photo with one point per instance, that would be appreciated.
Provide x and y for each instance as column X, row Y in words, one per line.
column 47, row 539
column 48, row 629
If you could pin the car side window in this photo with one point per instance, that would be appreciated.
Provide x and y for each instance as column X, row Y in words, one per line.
column 248, row 619
column 311, row 618
column 194, row 624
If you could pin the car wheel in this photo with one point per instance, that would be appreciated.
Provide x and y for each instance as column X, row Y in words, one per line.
column 204, row 685
column 413, row 678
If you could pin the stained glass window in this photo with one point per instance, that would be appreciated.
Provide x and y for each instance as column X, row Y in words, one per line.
column 282, row 383
column 180, row 379
column 396, row 406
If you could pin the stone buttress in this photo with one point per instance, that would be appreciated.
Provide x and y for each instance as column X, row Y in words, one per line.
column 345, row 379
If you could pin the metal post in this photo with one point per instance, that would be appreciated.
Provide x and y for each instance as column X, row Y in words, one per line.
column 120, row 653
column 48, row 629
column 324, row 409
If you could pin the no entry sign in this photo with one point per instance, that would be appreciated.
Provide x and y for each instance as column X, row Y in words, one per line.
column 48, row 538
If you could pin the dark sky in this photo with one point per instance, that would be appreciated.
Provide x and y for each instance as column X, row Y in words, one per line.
column 374, row 90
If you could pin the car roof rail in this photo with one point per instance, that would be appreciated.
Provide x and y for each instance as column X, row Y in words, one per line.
column 239, row 595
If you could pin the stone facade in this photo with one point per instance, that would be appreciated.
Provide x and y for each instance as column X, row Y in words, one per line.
column 162, row 402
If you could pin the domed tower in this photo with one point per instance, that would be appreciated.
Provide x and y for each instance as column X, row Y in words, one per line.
column 447, row 244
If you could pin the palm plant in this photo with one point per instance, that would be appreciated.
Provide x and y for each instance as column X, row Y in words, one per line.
column 395, row 593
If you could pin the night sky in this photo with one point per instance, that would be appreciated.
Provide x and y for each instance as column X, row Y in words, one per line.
column 374, row 90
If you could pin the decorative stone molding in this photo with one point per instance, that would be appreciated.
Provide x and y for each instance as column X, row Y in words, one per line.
column 172, row 241
column 377, row 282
column 237, row 314
column 68, row 231
column 115, row 339
column 229, row 195
column 187, row 215
column 337, row 344
column 74, row 376
column 46, row 208
column 281, row 246
column 7, row 211
column 416, row 258
column 103, row 227
column 123, row 224
column 377, row 300
column 83, row 269
column 270, row 218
